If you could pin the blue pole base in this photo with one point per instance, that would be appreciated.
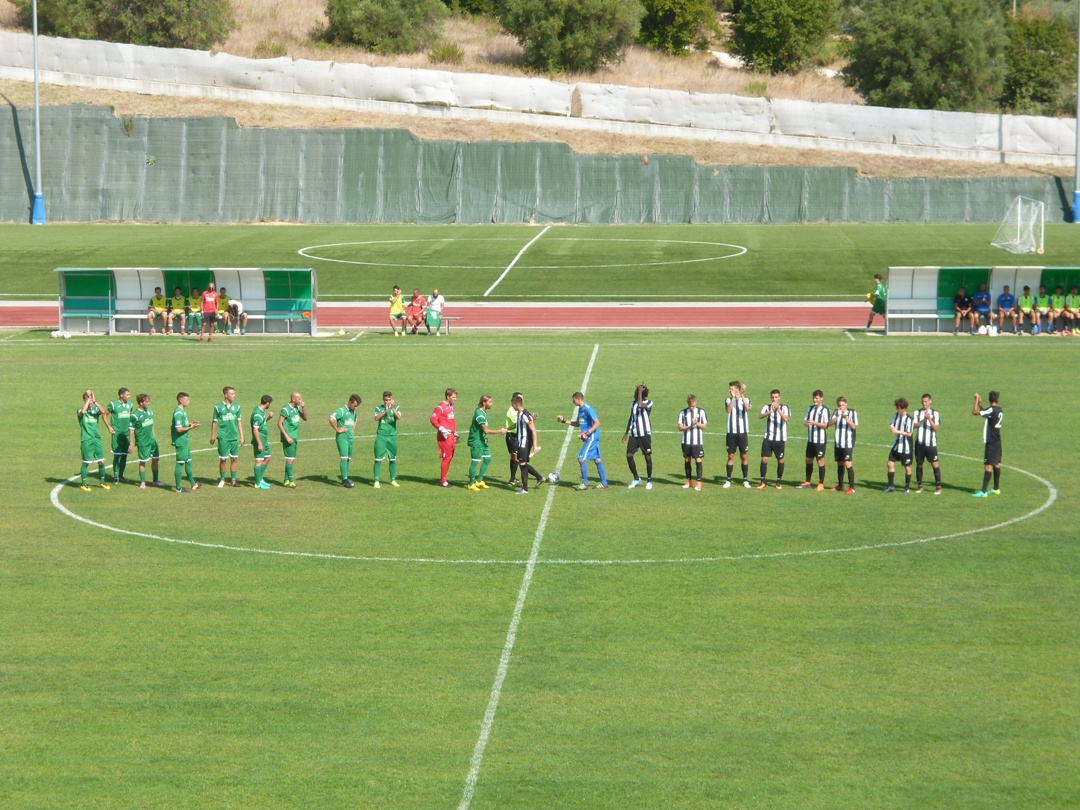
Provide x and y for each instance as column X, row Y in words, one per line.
column 37, row 215
column 1076, row 206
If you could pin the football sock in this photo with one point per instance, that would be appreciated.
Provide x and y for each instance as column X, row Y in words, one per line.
column 730, row 467
column 820, row 474
column 584, row 472
column 527, row 469
column 745, row 471
column 907, row 480
column 892, row 477
column 289, row 473
column 513, row 468
column 851, row 477
column 116, row 465
column 190, row 472
column 764, row 469
column 260, row 470
column 698, row 471
column 686, row 466
column 986, row 480
column 344, row 470
column 179, row 474
column 648, row 466
column 809, row 470
column 142, row 474
column 377, row 471
column 997, row 477
column 632, row 465
column 603, row 473
column 937, row 476
column 83, row 472
column 918, row 476
column 474, row 465
column 393, row 469
column 779, row 471
column 232, row 475
column 484, row 462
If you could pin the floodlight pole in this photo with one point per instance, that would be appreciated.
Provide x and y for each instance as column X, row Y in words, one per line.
column 37, row 214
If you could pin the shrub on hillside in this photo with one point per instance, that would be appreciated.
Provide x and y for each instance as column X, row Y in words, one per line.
column 782, row 36
column 1040, row 60
column 197, row 24
column 572, row 35
column 673, row 25
column 386, row 26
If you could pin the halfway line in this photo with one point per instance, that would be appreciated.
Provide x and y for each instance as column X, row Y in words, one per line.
column 511, row 633
column 510, row 266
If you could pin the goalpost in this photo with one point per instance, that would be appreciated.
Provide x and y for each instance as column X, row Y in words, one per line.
column 1021, row 231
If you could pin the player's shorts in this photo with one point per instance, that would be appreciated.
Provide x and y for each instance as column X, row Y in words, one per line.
column 693, row 451
column 772, row 447
column 446, row 447
column 261, row 455
column 92, row 451
column 841, row 454
column 815, row 450
column 289, row 450
column 397, row 316
column 385, row 448
column 590, row 449
column 635, row 443
column 183, row 452
column 879, row 305
column 479, row 450
column 228, row 448
column 158, row 313
column 899, row 458
column 924, row 452
column 344, row 444
column 992, row 455
column 210, row 318
column 121, row 443
column 151, row 451
column 738, row 442
column 511, row 443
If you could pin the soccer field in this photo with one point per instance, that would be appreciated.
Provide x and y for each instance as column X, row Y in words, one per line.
column 421, row 647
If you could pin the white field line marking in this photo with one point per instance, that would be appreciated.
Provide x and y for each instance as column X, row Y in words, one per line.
column 515, row 621
column 510, row 266
column 849, row 335
column 359, row 335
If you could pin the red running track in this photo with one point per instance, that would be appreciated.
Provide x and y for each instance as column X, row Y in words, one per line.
column 831, row 315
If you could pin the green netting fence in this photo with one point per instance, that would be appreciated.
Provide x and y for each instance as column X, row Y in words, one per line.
column 96, row 166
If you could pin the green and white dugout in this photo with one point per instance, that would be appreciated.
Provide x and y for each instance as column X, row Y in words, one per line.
column 920, row 299
column 278, row 300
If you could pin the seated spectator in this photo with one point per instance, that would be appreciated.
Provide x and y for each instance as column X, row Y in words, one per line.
column 1071, row 317
column 1057, row 310
column 981, row 301
column 1006, row 306
column 1026, row 304
column 175, row 311
column 963, row 306
column 222, row 310
column 236, row 318
column 434, row 314
column 1042, row 311
column 157, row 310
column 414, row 312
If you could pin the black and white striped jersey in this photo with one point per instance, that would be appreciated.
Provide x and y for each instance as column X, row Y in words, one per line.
column 687, row 417
column 738, row 418
column 815, row 434
column 901, row 443
column 845, row 433
column 524, row 435
column 775, row 424
column 640, row 424
column 925, row 433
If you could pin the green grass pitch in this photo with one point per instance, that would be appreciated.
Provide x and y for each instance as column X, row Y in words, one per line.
column 728, row 648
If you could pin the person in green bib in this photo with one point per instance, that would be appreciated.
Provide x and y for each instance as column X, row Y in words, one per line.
column 289, row 427
column 1057, row 310
column 1026, row 304
column 141, row 436
column 90, row 439
column 120, row 418
column 343, row 421
column 227, row 432
column 260, row 439
column 1042, row 312
column 479, row 452
column 193, row 311
column 1072, row 311
column 387, row 417
column 157, row 309
column 181, row 442
column 175, row 312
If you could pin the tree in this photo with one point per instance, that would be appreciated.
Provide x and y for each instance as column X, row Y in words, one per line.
column 1040, row 61
column 195, row 24
column 386, row 26
column 928, row 54
column 782, row 36
column 672, row 25
column 572, row 35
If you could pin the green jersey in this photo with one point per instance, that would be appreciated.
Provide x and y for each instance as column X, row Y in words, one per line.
column 511, row 420
column 1042, row 302
column 1026, row 302
column 142, row 422
column 120, row 415
column 259, row 427
column 177, row 303
column 387, row 426
column 1057, row 301
column 476, row 427
column 290, row 415
column 180, row 419
column 88, row 423
column 880, row 292
column 228, row 421
column 1072, row 302
column 345, row 419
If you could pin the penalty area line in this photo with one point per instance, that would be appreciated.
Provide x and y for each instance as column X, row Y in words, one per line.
column 510, row 266
column 515, row 621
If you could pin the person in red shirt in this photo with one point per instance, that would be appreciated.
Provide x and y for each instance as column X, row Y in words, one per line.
column 209, row 312
column 442, row 419
column 414, row 313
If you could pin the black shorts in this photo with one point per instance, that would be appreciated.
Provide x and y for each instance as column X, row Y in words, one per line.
column 210, row 318
column 635, row 443
column 815, row 450
column 737, row 441
column 841, row 454
column 925, row 453
column 772, row 447
column 511, row 443
column 992, row 455
column 897, row 458
column 693, row 451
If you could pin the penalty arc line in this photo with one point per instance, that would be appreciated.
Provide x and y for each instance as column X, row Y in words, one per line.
column 510, row 266
column 515, row 621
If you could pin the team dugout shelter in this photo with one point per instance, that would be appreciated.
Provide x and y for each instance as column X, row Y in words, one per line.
column 112, row 300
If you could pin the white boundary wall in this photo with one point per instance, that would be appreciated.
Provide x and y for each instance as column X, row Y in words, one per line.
column 543, row 103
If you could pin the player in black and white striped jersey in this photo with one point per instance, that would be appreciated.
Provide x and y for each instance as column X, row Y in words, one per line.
column 846, row 421
column 926, row 424
column 901, row 451
column 777, row 415
column 692, row 422
column 817, row 440
column 737, row 406
column 638, row 435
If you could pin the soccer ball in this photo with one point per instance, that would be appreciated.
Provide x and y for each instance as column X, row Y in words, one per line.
column 982, row 330
column 67, row 335
column 553, row 477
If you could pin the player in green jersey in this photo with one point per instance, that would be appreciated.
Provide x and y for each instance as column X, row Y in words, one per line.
column 193, row 311
column 227, row 432
column 289, row 427
column 141, row 435
column 1057, row 311
column 181, row 426
column 387, row 416
column 479, row 452
column 1071, row 316
column 1026, row 304
column 1042, row 312
column 157, row 308
column 90, row 439
column 175, row 312
column 260, row 439
column 120, row 417
column 877, row 300
column 343, row 421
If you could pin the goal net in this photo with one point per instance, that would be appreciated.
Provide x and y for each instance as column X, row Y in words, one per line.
column 1021, row 231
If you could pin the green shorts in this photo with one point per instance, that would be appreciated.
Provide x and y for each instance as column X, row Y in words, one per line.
column 183, row 452
column 385, row 448
column 260, row 455
column 121, row 443
column 228, row 448
column 151, row 451
column 92, row 451
column 478, row 450
column 344, row 444
column 289, row 450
